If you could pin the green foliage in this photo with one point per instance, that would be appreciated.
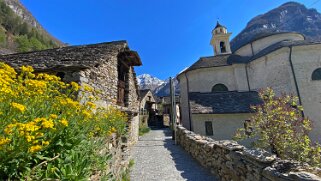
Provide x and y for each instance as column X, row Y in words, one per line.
column 23, row 43
column 143, row 130
column 27, row 38
column 126, row 174
column 3, row 38
column 278, row 125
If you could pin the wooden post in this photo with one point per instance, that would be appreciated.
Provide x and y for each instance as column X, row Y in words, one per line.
column 173, row 108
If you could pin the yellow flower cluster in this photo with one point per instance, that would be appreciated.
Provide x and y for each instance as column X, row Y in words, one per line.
column 4, row 141
column 18, row 106
column 41, row 115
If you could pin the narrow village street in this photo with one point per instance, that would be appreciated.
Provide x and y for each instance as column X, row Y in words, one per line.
column 158, row 158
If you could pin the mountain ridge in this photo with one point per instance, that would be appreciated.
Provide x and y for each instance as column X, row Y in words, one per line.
column 289, row 17
column 20, row 31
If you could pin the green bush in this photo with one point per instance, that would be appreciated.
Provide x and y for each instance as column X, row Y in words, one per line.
column 278, row 125
column 143, row 130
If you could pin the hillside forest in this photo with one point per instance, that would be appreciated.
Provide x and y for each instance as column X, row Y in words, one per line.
column 18, row 36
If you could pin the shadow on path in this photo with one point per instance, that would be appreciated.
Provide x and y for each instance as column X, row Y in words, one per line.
column 190, row 169
column 158, row 158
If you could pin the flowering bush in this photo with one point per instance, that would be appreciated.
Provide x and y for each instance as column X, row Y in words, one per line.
column 278, row 125
column 45, row 132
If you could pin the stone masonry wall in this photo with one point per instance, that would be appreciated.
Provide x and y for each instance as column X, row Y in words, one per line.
column 230, row 161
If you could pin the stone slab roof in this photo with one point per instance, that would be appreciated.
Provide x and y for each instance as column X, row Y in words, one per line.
column 216, row 61
column 223, row 102
column 73, row 57
column 212, row 61
column 142, row 93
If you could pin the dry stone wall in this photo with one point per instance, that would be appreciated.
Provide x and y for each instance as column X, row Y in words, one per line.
column 231, row 161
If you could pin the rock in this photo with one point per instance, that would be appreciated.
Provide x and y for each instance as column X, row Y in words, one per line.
column 303, row 176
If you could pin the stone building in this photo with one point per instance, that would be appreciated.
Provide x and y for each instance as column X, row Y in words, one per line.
column 147, row 101
column 107, row 67
column 217, row 91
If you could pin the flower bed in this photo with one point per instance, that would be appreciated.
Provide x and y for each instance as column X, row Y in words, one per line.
column 45, row 131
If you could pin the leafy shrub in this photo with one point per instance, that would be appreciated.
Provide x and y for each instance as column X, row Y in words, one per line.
column 278, row 125
column 46, row 133
column 143, row 130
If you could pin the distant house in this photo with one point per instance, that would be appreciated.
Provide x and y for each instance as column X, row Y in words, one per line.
column 147, row 101
column 107, row 67
column 217, row 91
column 165, row 102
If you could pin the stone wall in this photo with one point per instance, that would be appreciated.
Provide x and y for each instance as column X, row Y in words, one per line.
column 118, row 149
column 230, row 161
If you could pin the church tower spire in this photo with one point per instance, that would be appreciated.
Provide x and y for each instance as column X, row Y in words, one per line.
column 221, row 40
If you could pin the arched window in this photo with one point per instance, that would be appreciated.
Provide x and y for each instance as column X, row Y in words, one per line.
column 316, row 75
column 222, row 47
column 219, row 88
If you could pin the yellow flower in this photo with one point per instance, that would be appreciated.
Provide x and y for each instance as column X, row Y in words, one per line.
column 53, row 116
column 18, row 106
column 64, row 122
column 30, row 138
column 88, row 88
column 74, row 86
column 48, row 124
column 113, row 130
column 26, row 69
column 4, row 141
column 86, row 114
column 45, row 143
column 91, row 105
column 35, row 148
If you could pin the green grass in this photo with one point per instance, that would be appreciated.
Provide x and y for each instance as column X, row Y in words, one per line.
column 143, row 130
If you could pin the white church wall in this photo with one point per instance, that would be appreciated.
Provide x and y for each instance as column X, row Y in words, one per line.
column 224, row 125
column 272, row 70
column 202, row 80
column 244, row 50
column 305, row 60
column 240, row 77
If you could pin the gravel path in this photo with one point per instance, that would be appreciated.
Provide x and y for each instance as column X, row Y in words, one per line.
column 157, row 158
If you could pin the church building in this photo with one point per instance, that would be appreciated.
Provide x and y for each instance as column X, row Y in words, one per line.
column 217, row 91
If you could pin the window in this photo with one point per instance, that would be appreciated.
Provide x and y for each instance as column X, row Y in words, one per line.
column 316, row 75
column 222, row 47
column 219, row 88
column 208, row 128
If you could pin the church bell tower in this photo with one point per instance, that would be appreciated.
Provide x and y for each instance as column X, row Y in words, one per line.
column 221, row 40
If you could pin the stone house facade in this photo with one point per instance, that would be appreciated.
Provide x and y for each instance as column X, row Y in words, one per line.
column 217, row 91
column 147, row 101
column 107, row 67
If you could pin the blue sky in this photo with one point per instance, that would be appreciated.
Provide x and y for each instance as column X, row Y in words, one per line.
column 169, row 35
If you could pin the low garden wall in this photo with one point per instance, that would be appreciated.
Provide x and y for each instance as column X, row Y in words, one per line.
column 231, row 161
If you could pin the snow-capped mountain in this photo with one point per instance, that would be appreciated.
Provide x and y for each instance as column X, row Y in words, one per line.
column 164, row 89
column 146, row 81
